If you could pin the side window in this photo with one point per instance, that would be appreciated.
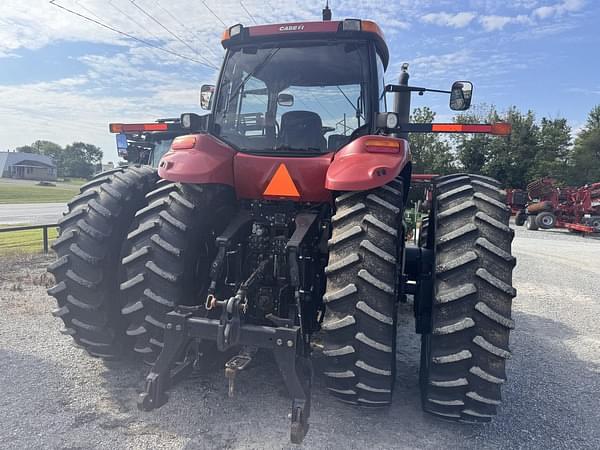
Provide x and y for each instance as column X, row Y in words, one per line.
column 381, row 85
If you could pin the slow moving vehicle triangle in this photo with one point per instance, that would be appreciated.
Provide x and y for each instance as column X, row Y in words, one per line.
column 282, row 185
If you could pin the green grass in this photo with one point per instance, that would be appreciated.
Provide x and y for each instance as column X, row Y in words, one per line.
column 74, row 181
column 28, row 241
column 30, row 193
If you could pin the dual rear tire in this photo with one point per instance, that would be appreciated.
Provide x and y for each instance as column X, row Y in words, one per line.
column 359, row 325
column 91, row 243
column 463, row 358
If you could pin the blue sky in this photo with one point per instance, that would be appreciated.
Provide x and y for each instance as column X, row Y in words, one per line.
column 64, row 79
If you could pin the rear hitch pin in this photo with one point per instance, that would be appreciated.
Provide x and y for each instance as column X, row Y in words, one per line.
column 235, row 364
column 230, row 375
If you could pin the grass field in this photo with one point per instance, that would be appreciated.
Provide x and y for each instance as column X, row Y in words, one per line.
column 28, row 241
column 11, row 192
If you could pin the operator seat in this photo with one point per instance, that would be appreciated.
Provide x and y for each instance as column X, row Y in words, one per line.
column 301, row 130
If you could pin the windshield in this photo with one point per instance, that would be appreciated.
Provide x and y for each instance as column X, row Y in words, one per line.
column 307, row 98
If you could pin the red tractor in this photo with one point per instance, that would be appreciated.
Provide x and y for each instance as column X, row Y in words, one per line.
column 277, row 223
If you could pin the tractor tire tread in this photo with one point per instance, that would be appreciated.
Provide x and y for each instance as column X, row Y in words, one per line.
column 463, row 359
column 88, row 249
column 359, row 322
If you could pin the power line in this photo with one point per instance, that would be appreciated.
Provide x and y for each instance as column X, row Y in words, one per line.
column 155, row 20
column 78, row 3
column 130, row 36
column 181, row 24
column 131, row 19
column 214, row 14
column 248, row 12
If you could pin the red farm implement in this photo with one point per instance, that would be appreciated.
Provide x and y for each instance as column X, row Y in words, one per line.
column 576, row 209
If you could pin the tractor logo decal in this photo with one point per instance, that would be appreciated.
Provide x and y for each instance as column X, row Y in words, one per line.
column 291, row 28
column 281, row 185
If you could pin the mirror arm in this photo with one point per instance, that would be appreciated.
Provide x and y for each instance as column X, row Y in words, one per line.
column 400, row 88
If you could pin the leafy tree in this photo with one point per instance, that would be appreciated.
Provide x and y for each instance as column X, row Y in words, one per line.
column 585, row 159
column 47, row 148
column 80, row 158
column 510, row 159
column 473, row 149
column 430, row 153
column 554, row 146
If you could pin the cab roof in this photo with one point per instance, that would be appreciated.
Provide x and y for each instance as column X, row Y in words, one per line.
column 238, row 35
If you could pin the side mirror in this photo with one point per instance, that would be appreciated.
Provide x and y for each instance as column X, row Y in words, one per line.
column 285, row 99
column 460, row 95
column 206, row 93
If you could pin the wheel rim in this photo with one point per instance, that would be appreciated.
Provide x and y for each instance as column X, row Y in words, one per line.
column 547, row 221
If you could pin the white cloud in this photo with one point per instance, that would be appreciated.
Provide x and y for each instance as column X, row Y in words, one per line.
column 458, row 20
column 495, row 23
column 558, row 9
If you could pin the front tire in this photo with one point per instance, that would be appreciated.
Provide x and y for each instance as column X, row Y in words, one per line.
column 545, row 220
column 595, row 223
column 463, row 358
column 520, row 218
column 531, row 223
column 362, row 287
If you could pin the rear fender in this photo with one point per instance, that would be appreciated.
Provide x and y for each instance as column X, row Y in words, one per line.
column 367, row 163
column 198, row 159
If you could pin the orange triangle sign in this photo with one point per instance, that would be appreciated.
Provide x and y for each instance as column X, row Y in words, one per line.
column 282, row 185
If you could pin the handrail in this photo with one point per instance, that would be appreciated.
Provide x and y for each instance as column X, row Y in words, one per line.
column 43, row 227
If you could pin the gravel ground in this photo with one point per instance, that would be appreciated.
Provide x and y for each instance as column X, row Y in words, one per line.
column 53, row 396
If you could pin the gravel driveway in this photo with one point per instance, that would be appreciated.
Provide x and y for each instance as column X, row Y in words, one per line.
column 53, row 396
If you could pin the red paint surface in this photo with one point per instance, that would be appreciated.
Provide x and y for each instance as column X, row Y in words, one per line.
column 422, row 177
column 352, row 168
column 253, row 173
column 309, row 27
column 210, row 161
column 355, row 169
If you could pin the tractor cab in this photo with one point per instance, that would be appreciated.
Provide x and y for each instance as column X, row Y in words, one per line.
column 301, row 88
column 310, row 96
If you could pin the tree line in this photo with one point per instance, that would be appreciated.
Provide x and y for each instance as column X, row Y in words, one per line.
column 535, row 148
column 75, row 160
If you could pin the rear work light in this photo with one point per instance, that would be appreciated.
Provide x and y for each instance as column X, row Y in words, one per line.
column 352, row 25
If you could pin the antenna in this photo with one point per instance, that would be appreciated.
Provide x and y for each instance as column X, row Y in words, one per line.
column 326, row 12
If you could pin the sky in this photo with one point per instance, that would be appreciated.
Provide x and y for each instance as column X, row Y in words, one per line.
column 64, row 78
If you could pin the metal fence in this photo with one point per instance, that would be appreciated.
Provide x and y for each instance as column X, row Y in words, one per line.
column 44, row 229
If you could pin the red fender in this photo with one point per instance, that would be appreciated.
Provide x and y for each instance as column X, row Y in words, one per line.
column 367, row 163
column 198, row 159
